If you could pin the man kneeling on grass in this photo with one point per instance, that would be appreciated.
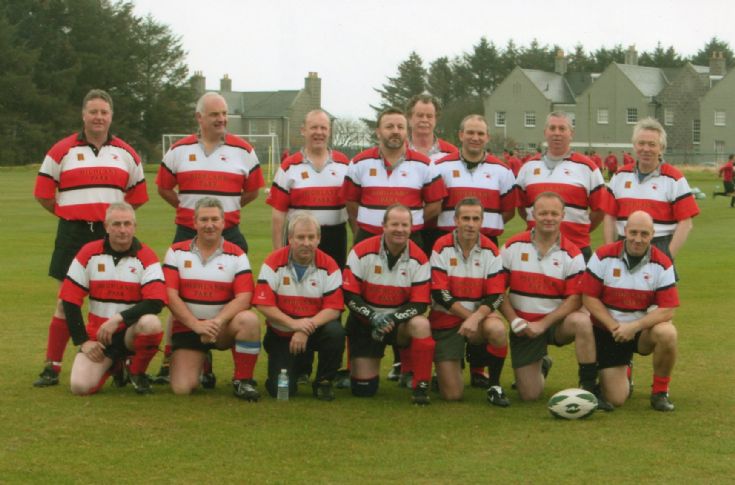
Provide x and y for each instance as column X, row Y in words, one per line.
column 124, row 281
column 210, row 286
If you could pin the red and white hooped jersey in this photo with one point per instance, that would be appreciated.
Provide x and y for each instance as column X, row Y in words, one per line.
column 112, row 287
column 298, row 185
column 628, row 294
column 374, row 185
column 231, row 169
column 439, row 150
column 578, row 182
column 469, row 280
column 664, row 194
column 538, row 286
column 84, row 183
column 206, row 286
column 278, row 286
column 491, row 181
column 386, row 289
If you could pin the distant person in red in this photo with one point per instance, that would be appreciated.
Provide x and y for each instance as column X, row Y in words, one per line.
column 627, row 158
column 596, row 158
column 611, row 164
column 514, row 163
column 285, row 154
column 725, row 173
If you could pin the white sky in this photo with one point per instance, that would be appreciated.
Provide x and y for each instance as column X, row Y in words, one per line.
column 355, row 45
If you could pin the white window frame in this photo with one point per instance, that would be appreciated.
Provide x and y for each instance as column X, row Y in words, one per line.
column 603, row 116
column 720, row 118
column 696, row 132
column 668, row 117
column 500, row 119
column 527, row 122
column 628, row 118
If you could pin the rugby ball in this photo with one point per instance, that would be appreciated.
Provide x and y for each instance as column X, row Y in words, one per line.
column 572, row 404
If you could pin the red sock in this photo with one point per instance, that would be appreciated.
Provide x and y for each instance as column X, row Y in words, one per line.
column 406, row 359
column 244, row 356
column 58, row 336
column 501, row 352
column 477, row 370
column 422, row 353
column 660, row 384
column 145, row 347
column 167, row 351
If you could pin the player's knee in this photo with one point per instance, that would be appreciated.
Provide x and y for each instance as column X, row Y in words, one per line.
column 246, row 325
column 364, row 387
column 419, row 326
column 183, row 388
column 581, row 324
column 496, row 335
column 81, row 387
column 149, row 324
column 664, row 334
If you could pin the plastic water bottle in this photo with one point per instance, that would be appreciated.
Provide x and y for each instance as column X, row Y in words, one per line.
column 282, row 394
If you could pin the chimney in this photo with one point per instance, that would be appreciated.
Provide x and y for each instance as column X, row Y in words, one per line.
column 198, row 83
column 560, row 63
column 225, row 84
column 313, row 87
column 631, row 56
column 717, row 64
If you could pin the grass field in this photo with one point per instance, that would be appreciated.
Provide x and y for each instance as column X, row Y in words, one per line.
column 50, row 436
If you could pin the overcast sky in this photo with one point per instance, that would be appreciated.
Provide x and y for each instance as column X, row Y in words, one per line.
column 354, row 46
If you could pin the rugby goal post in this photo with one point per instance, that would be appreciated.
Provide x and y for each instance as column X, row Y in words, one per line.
column 267, row 147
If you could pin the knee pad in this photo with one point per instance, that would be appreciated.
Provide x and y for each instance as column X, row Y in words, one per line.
column 364, row 387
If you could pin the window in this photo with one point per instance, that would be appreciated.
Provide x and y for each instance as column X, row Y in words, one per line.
column 271, row 127
column 252, row 127
column 631, row 116
column 603, row 116
column 720, row 118
column 696, row 132
column 720, row 149
column 573, row 117
column 529, row 119
column 500, row 118
column 668, row 117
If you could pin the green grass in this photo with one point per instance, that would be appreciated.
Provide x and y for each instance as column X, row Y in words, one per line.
column 48, row 435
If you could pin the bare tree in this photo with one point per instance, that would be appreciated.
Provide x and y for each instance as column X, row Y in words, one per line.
column 349, row 134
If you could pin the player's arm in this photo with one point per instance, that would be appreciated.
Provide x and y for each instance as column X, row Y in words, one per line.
column 507, row 215
column 248, row 197
column 78, row 332
column 275, row 315
column 598, row 310
column 596, row 217
column 240, row 303
column 522, row 213
column 182, row 314
column 609, row 229
column 352, row 208
column 358, row 305
column 680, row 235
column 570, row 304
column 47, row 204
column 170, row 196
column 278, row 220
column 432, row 210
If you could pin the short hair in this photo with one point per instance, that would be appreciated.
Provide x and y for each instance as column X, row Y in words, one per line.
column 559, row 114
column 549, row 195
column 389, row 111
column 474, row 117
column 203, row 98
column 650, row 124
column 301, row 217
column 314, row 112
column 206, row 202
column 96, row 94
column 399, row 207
column 118, row 206
column 422, row 98
column 467, row 202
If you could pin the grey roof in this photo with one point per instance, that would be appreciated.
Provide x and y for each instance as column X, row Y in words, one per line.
column 551, row 85
column 649, row 80
column 259, row 104
column 578, row 81
column 701, row 69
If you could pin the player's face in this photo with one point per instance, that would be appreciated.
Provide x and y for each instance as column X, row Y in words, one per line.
column 391, row 132
column 209, row 224
column 469, row 222
column 638, row 235
column 97, row 117
column 397, row 228
column 423, row 119
column 120, row 227
column 558, row 135
column 304, row 242
column 316, row 131
column 648, row 149
column 474, row 138
column 213, row 122
column 548, row 213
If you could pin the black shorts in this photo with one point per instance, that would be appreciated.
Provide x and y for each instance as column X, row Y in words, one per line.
column 611, row 353
column 362, row 343
column 334, row 243
column 189, row 340
column 729, row 187
column 117, row 350
column 525, row 351
column 70, row 237
column 231, row 234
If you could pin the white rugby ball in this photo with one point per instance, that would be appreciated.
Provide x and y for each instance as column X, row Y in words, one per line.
column 572, row 404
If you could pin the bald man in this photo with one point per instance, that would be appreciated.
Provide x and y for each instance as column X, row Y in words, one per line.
column 630, row 290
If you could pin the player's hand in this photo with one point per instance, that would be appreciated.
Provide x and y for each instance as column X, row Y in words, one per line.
column 298, row 343
column 468, row 328
column 625, row 333
column 94, row 350
column 304, row 325
column 207, row 330
column 107, row 329
column 533, row 330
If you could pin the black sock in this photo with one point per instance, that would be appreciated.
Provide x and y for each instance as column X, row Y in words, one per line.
column 495, row 367
column 587, row 376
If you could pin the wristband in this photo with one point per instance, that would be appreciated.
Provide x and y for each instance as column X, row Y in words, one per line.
column 518, row 325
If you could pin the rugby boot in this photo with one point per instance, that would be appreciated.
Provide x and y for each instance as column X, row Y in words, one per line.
column 47, row 377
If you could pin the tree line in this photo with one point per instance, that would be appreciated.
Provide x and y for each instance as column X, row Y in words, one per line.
column 53, row 51
column 462, row 82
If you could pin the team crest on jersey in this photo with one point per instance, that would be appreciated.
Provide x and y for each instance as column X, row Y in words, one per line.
column 80, row 157
column 101, row 267
column 477, row 263
column 334, row 174
column 115, row 157
column 628, row 184
column 455, row 173
column 654, row 186
column 378, row 269
column 187, row 264
column 286, row 280
column 220, row 266
column 304, row 175
column 313, row 283
column 488, row 176
column 192, row 157
column 567, row 172
column 555, row 262
column 133, row 269
column 403, row 272
column 616, row 272
column 223, row 158
column 524, row 256
column 537, row 171
column 373, row 172
column 646, row 276
column 452, row 261
column 403, row 173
